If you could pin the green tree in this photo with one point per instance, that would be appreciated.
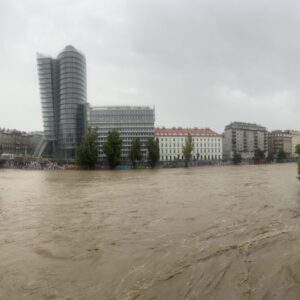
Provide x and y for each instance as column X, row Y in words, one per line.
column 153, row 151
column 135, row 153
column 237, row 158
column 88, row 150
column 112, row 148
column 187, row 150
column 298, row 164
column 297, row 150
column 259, row 155
column 2, row 162
column 281, row 156
column 270, row 157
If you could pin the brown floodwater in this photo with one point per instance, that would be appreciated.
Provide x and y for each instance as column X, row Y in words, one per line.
column 199, row 233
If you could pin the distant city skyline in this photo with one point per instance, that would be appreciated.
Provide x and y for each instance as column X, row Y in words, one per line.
column 205, row 64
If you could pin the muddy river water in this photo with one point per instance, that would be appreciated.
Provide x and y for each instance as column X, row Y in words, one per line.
column 198, row 233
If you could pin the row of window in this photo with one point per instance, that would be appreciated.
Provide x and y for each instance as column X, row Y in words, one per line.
column 71, row 61
column 78, row 76
column 68, row 88
column 126, row 129
column 194, row 139
column 195, row 145
column 118, row 117
column 177, row 151
column 200, row 157
column 76, row 69
column 130, row 134
column 72, row 82
column 71, row 54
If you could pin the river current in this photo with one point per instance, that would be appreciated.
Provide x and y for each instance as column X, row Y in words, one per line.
column 229, row 232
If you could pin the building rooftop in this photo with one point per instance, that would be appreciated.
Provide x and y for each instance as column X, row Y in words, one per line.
column 244, row 125
column 119, row 107
column 70, row 48
column 14, row 132
column 185, row 131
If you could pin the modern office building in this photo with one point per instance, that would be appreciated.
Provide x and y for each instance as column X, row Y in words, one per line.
column 63, row 98
column 207, row 143
column 279, row 140
column 130, row 121
column 244, row 139
column 295, row 135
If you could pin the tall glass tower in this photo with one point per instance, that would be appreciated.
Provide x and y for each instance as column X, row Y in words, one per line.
column 63, row 97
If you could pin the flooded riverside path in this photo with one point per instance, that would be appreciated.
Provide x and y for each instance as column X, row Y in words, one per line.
column 198, row 233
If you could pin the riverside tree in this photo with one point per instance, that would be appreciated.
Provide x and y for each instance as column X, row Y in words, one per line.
column 88, row 150
column 187, row 150
column 153, row 151
column 237, row 158
column 112, row 148
column 135, row 153
column 270, row 157
column 298, row 164
column 281, row 156
column 297, row 150
column 259, row 155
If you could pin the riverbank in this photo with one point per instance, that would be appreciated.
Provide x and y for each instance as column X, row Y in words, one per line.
column 58, row 166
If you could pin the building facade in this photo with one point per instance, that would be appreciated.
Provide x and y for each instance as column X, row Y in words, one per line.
column 279, row 140
column 15, row 143
column 244, row 139
column 295, row 135
column 130, row 121
column 207, row 143
column 63, row 97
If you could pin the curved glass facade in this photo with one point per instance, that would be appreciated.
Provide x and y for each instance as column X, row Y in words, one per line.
column 63, row 98
column 72, row 94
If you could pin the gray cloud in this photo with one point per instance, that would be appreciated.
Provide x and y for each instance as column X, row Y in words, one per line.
column 201, row 63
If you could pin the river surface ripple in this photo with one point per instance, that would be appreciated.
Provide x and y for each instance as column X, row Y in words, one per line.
column 199, row 233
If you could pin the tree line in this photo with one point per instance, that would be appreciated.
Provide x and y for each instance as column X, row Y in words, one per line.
column 259, row 156
column 87, row 155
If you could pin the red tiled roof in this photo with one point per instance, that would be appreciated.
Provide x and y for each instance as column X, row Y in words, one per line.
column 185, row 131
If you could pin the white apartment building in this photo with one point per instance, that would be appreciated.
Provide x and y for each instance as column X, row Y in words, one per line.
column 207, row 143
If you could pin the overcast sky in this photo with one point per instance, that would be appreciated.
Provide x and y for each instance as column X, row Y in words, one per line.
column 200, row 63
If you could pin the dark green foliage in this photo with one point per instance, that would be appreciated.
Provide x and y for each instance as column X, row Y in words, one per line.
column 281, row 156
column 88, row 150
column 270, row 157
column 297, row 150
column 298, row 164
column 187, row 150
column 237, row 159
column 112, row 148
column 259, row 155
column 135, row 153
column 2, row 162
column 153, row 151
